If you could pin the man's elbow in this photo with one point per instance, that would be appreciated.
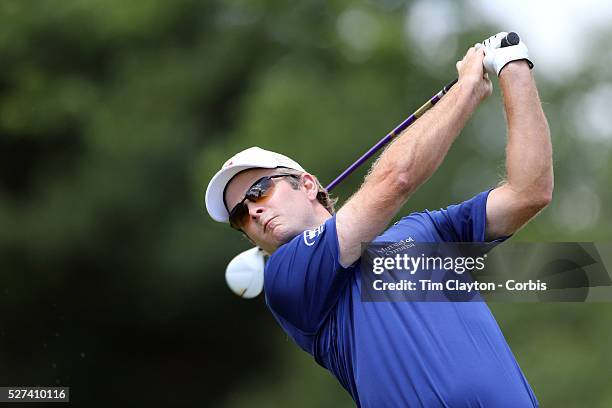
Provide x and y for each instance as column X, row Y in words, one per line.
column 540, row 199
column 540, row 203
column 533, row 200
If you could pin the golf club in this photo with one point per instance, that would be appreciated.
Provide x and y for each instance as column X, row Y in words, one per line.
column 244, row 273
column 510, row 39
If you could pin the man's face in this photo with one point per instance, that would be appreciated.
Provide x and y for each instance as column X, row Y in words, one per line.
column 275, row 219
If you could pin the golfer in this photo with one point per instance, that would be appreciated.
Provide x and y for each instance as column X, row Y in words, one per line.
column 397, row 354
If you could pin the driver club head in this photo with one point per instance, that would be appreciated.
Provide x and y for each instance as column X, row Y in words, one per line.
column 245, row 273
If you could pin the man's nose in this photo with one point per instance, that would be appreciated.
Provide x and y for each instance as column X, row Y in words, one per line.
column 255, row 210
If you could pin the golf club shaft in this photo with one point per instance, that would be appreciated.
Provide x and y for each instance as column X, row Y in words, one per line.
column 510, row 39
column 395, row 132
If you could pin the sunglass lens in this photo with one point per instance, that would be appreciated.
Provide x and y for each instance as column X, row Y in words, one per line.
column 239, row 215
column 259, row 189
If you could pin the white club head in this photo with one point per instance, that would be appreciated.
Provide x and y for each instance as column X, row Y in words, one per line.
column 245, row 273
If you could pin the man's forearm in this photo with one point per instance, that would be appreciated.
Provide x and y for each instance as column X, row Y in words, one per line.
column 529, row 152
column 415, row 155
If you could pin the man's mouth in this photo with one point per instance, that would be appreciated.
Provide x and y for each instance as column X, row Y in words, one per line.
column 265, row 227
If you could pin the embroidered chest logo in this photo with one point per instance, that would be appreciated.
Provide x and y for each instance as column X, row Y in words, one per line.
column 310, row 235
column 399, row 246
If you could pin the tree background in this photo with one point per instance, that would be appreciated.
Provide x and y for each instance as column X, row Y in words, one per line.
column 114, row 116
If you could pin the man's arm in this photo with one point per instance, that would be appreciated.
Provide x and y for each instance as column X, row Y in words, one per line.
column 410, row 160
column 529, row 170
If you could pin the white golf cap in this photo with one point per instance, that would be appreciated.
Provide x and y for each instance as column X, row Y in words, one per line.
column 251, row 158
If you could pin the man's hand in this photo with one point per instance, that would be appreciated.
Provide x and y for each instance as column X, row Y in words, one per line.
column 471, row 72
column 497, row 57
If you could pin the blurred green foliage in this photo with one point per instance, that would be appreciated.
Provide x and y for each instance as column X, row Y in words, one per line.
column 114, row 116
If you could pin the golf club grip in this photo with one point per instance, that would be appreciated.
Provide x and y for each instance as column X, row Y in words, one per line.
column 510, row 39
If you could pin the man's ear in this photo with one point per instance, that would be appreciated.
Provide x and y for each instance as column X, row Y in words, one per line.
column 310, row 183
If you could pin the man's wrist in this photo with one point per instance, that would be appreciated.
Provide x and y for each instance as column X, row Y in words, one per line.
column 471, row 88
column 468, row 82
column 515, row 68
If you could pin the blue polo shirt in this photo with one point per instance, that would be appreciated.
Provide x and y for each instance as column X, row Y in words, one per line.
column 395, row 354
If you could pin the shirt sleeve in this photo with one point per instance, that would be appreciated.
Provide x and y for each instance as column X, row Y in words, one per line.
column 464, row 222
column 304, row 278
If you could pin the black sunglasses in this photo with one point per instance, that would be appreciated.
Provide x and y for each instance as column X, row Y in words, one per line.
column 239, row 215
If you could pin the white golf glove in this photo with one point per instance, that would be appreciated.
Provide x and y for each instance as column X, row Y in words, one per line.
column 496, row 57
column 494, row 41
